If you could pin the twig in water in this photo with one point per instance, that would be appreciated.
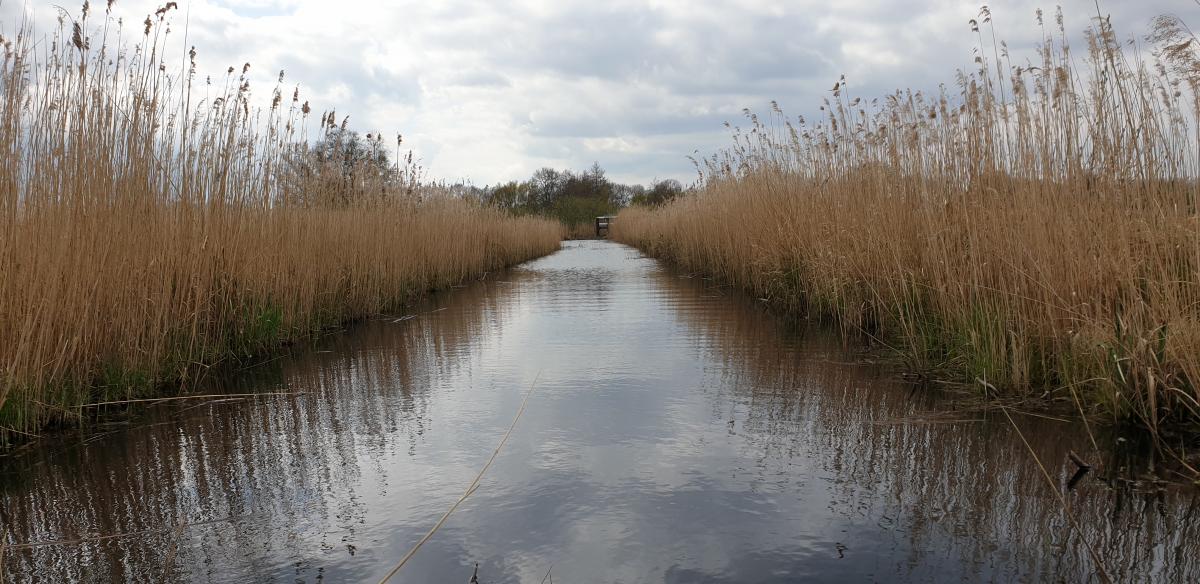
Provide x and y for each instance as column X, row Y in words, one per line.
column 171, row 552
column 182, row 397
column 126, row 534
column 1079, row 462
column 1062, row 501
column 260, row 363
column 1037, row 415
column 16, row 431
column 211, row 403
column 95, row 437
column 470, row 488
column 1082, row 416
column 548, row 575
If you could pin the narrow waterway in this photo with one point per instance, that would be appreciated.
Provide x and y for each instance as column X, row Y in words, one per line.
column 677, row 433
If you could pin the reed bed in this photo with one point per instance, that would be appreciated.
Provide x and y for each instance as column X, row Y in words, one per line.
column 583, row 230
column 153, row 224
column 1031, row 229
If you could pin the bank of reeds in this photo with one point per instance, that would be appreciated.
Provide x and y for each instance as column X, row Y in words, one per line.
column 153, row 224
column 1033, row 230
column 583, row 230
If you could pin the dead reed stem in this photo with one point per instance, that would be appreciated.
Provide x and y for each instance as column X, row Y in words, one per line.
column 1062, row 501
column 1044, row 236
column 169, row 562
column 95, row 538
column 147, row 232
column 471, row 488
column 221, row 396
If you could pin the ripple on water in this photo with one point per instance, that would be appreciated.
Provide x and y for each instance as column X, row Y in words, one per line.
column 677, row 434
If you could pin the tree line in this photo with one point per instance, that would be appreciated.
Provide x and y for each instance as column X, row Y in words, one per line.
column 346, row 161
column 576, row 197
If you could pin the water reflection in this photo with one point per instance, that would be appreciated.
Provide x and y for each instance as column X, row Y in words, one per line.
column 677, row 434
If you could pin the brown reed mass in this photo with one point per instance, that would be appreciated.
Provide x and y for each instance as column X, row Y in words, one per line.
column 1034, row 229
column 152, row 225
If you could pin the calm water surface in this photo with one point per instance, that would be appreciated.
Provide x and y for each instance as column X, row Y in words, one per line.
column 677, row 434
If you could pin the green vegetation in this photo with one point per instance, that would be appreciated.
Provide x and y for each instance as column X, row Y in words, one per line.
column 576, row 199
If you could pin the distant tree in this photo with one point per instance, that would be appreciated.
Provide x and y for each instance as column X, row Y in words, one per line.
column 353, row 152
column 577, row 197
column 661, row 191
column 344, row 168
column 511, row 196
column 596, row 185
column 623, row 195
column 544, row 187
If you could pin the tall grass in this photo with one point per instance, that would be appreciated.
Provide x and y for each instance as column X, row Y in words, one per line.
column 1034, row 229
column 152, row 225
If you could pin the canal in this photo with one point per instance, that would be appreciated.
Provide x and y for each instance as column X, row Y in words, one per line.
column 677, row 433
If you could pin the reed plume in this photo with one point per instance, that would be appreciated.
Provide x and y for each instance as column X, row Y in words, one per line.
column 1034, row 228
column 152, row 225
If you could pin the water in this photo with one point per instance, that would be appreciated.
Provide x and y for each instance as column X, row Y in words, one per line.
column 677, row 433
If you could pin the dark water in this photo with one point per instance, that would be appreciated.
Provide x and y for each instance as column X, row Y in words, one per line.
column 677, row 433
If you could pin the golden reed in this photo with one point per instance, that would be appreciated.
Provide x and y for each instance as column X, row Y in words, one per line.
column 1034, row 229
column 152, row 225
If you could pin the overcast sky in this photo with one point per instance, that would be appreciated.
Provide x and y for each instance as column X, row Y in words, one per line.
column 490, row 91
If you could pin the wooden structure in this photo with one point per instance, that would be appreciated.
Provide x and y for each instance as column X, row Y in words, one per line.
column 602, row 224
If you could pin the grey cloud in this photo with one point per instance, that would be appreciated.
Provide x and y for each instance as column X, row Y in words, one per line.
column 588, row 41
column 346, row 68
column 541, row 83
column 643, row 123
column 599, row 44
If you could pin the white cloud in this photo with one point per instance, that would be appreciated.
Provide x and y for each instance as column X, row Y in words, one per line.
column 491, row 91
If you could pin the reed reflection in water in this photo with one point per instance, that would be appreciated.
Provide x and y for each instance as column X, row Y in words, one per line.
column 678, row 433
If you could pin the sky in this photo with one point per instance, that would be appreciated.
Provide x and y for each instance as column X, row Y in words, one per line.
column 485, row 92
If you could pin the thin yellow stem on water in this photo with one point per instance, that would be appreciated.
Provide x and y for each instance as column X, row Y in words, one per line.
column 169, row 563
column 95, row 538
column 1086, row 425
column 191, row 397
column 471, row 488
column 1062, row 501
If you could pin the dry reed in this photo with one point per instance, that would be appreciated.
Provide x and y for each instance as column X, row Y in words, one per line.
column 152, row 224
column 1036, row 228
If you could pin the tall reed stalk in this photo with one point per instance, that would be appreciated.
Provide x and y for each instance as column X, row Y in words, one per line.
column 152, row 224
column 1034, row 228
